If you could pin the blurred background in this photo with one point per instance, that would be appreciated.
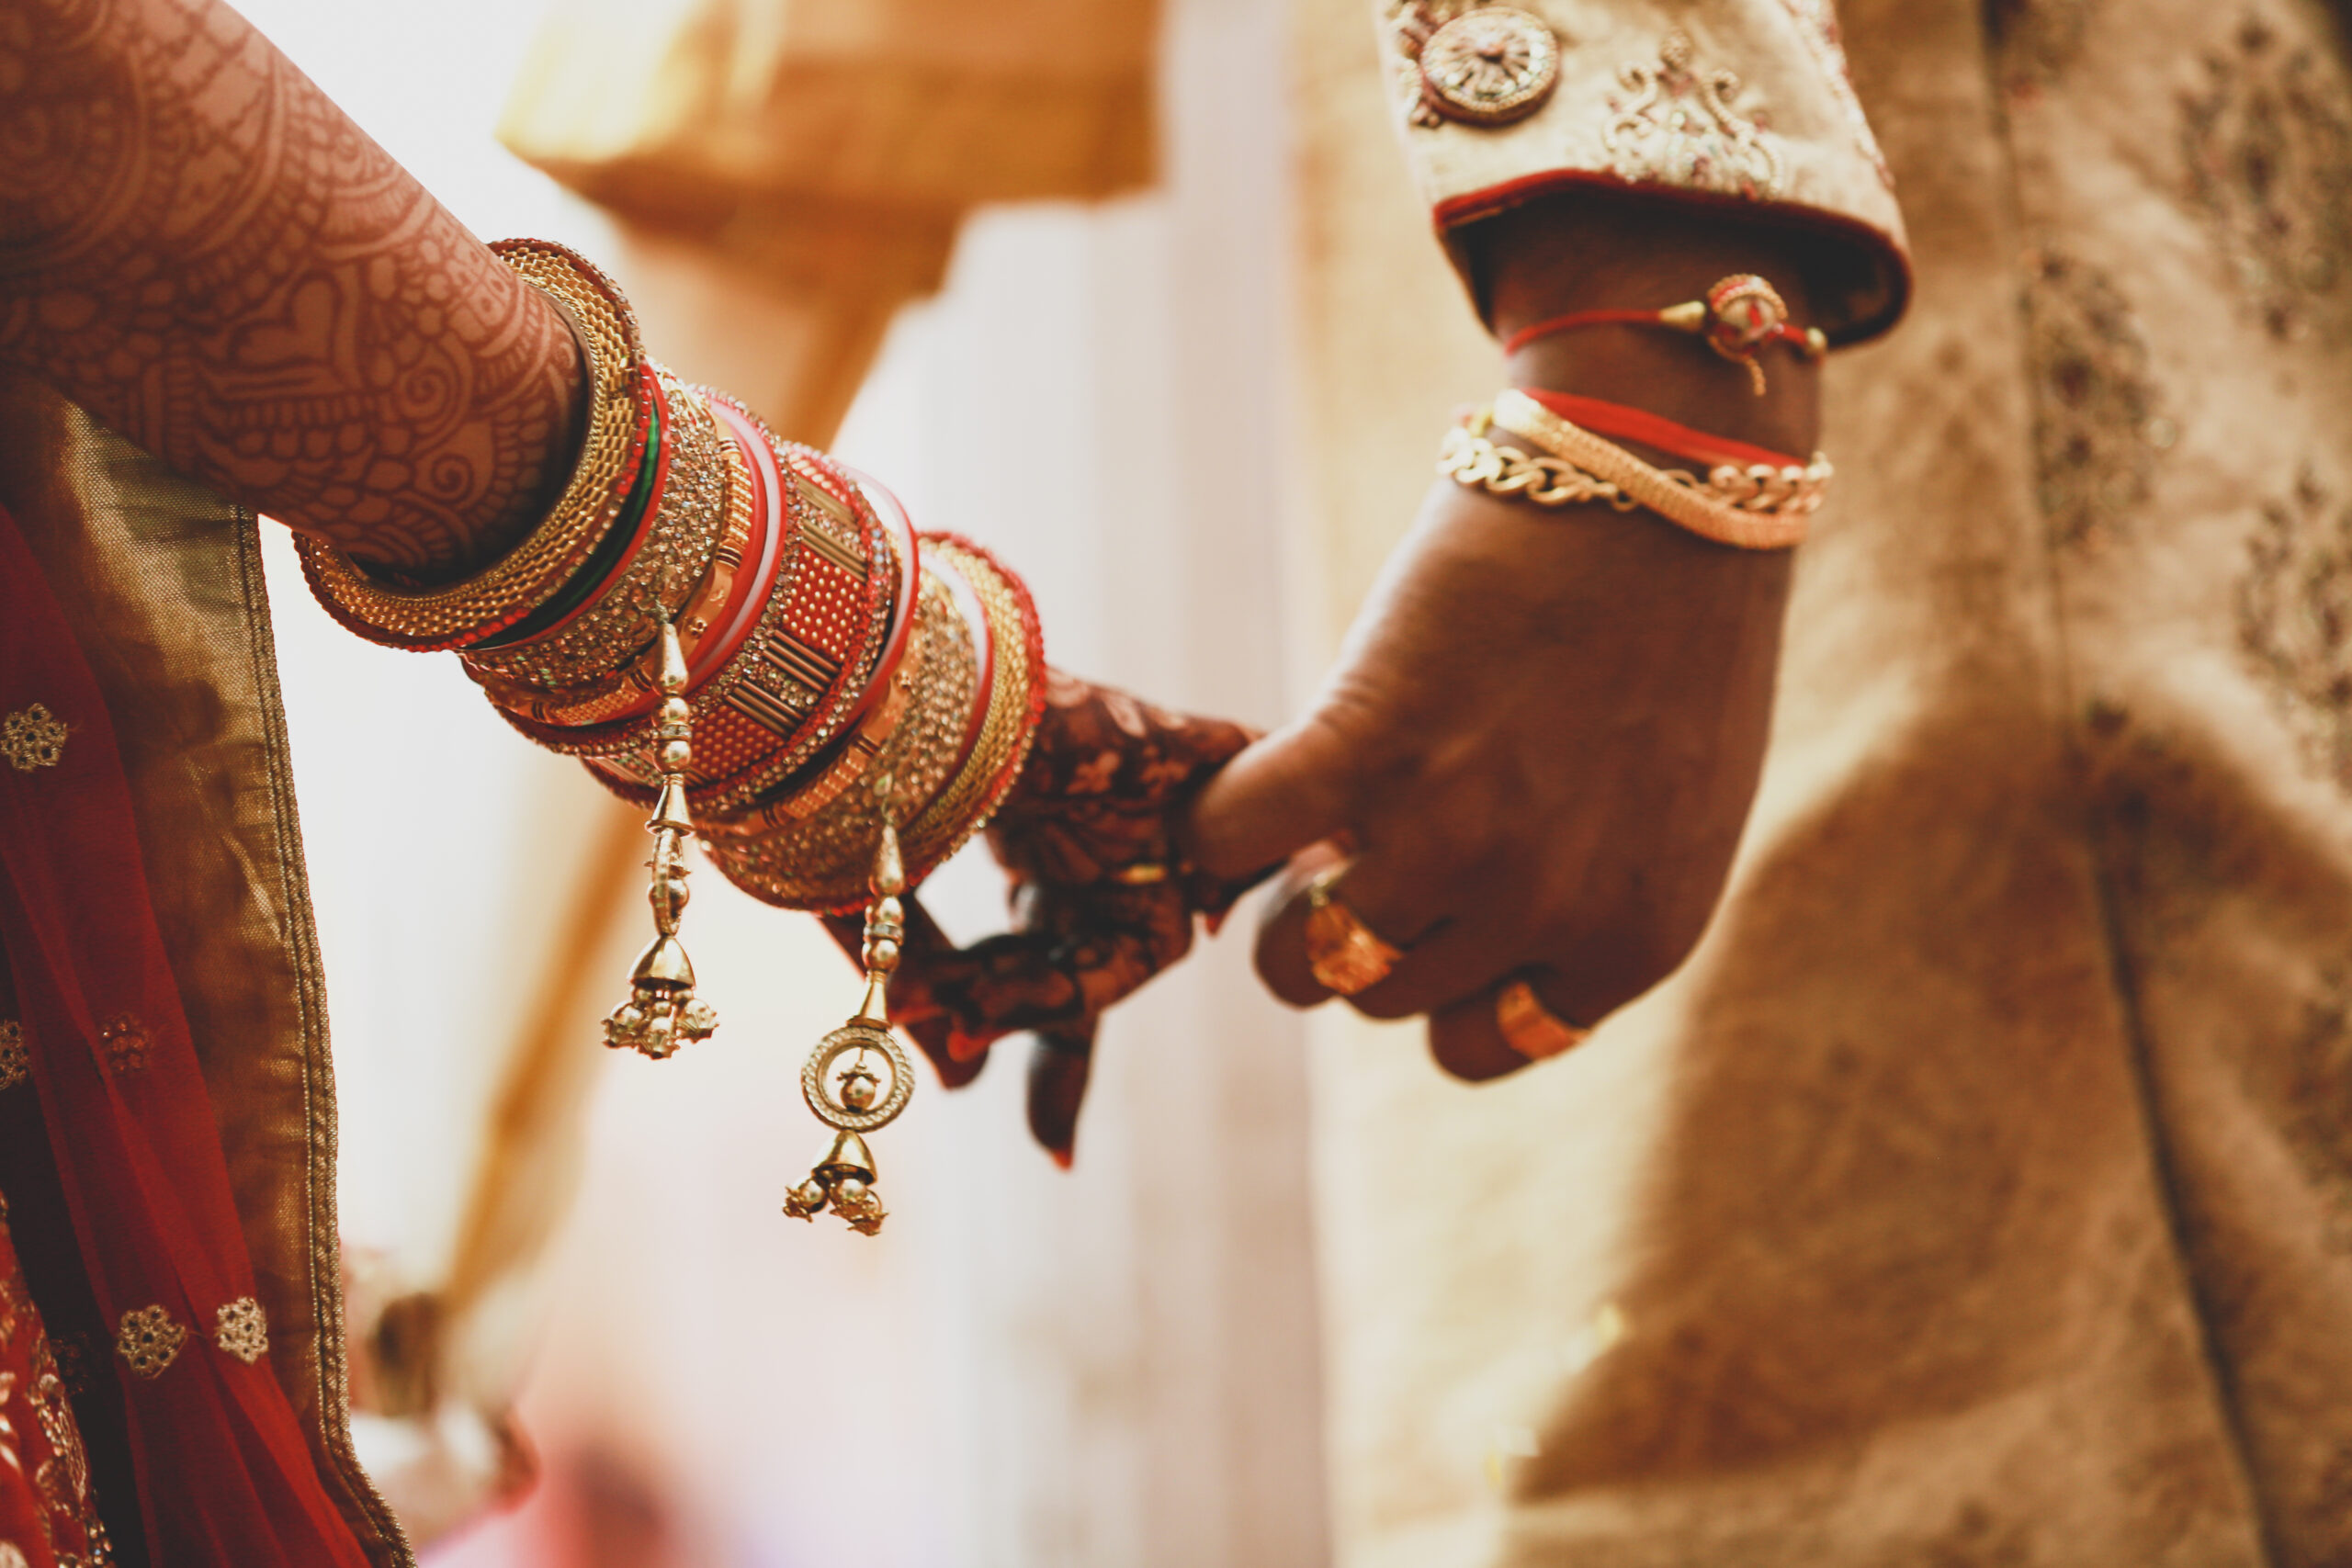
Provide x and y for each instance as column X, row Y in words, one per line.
column 1080, row 364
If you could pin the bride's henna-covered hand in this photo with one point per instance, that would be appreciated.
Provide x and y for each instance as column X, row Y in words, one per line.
column 201, row 249
column 1101, row 897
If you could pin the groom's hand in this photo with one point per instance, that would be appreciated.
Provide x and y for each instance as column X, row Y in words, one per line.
column 1545, row 726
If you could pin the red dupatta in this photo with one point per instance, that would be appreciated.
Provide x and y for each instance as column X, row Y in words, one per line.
column 224, row 1475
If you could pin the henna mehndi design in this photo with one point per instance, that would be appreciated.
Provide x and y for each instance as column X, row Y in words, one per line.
column 1102, row 898
column 202, row 250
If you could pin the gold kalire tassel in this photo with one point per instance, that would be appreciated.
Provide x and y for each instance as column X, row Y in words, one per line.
column 847, row 1096
column 662, row 1011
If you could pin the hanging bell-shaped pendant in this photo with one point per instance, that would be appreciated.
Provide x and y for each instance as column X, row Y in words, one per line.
column 859, row 1077
column 662, row 1011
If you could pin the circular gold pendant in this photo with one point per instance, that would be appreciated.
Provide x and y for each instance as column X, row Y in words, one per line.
column 857, row 1099
column 1490, row 66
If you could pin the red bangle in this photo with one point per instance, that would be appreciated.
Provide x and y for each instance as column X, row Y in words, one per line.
column 1623, row 423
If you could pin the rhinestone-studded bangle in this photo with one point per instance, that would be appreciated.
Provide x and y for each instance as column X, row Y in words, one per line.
column 658, row 569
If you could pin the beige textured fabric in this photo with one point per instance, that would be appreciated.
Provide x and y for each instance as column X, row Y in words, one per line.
column 1743, row 104
column 1981, row 1191
column 162, row 581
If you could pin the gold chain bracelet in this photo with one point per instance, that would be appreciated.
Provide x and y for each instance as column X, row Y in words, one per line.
column 1757, row 507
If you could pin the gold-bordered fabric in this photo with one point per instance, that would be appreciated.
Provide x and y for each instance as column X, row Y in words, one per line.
column 162, row 581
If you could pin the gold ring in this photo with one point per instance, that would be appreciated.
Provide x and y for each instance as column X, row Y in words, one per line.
column 1530, row 1028
column 1343, row 952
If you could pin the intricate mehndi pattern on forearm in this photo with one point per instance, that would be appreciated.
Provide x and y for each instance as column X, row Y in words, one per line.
column 201, row 249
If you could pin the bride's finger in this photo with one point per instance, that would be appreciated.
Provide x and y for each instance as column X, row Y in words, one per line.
column 1060, row 1065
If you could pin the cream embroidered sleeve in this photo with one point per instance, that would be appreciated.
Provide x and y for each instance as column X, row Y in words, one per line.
column 1740, row 103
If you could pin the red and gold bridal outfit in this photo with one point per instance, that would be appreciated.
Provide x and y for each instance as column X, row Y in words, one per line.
column 733, row 630
column 166, row 1123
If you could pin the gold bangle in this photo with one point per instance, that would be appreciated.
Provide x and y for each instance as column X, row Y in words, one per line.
column 940, row 777
column 1010, row 724
column 635, row 685
column 527, row 576
column 819, row 862
column 1769, row 516
column 797, row 802
column 624, row 620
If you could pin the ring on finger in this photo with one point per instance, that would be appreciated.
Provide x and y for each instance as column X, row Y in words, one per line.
column 1344, row 953
column 1530, row 1028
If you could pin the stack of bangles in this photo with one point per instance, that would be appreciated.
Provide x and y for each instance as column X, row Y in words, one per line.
column 749, row 639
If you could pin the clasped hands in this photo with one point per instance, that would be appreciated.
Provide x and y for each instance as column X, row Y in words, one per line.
column 1534, row 758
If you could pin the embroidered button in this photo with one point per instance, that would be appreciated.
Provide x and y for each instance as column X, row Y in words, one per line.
column 16, row 1063
column 1490, row 66
column 32, row 738
column 241, row 1330
column 149, row 1340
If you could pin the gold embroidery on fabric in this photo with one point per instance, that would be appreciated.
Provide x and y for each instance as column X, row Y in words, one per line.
column 16, row 1461
column 1817, row 23
column 16, row 1063
column 241, row 1330
column 124, row 1040
column 65, row 1477
column 2098, row 421
column 70, row 1359
column 149, row 1340
column 2317, row 1121
column 1410, row 24
column 1679, row 127
column 32, row 738
column 2294, row 614
column 2268, row 152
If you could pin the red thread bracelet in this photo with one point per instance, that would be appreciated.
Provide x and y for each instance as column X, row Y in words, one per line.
column 1740, row 314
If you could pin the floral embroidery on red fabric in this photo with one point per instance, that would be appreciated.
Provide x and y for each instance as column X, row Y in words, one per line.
column 241, row 1330
column 124, row 1040
column 149, row 1340
column 32, row 738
